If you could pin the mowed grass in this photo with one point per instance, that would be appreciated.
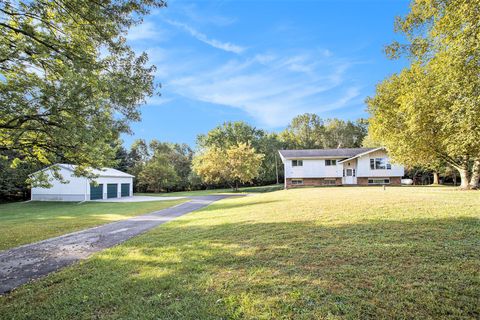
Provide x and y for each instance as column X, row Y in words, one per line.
column 260, row 189
column 323, row 253
column 26, row 222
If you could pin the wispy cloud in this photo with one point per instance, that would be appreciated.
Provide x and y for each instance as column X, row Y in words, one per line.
column 145, row 31
column 272, row 89
column 210, row 16
column 225, row 46
column 270, row 84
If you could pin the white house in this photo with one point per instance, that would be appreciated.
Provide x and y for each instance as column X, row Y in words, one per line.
column 348, row 166
column 110, row 183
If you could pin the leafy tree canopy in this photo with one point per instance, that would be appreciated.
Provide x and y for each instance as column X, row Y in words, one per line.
column 69, row 83
column 430, row 111
column 309, row 131
column 237, row 164
column 160, row 166
column 233, row 133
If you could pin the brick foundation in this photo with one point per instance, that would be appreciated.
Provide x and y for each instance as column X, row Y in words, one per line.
column 394, row 181
column 312, row 182
column 318, row 182
column 362, row 181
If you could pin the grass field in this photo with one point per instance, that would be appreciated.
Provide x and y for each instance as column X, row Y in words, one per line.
column 323, row 253
column 22, row 223
column 261, row 189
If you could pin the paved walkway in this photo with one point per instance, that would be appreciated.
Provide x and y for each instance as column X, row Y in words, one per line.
column 22, row 264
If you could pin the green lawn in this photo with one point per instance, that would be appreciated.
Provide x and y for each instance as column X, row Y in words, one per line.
column 26, row 222
column 261, row 189
column 320, row 253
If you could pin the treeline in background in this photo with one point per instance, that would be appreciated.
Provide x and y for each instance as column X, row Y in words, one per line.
column 161, row 166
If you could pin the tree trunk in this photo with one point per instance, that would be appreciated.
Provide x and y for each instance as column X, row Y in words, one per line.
column 464, row 177
column 435, row 178
column 474, row 180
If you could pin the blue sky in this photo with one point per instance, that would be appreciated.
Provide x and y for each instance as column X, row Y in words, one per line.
column 262, row 62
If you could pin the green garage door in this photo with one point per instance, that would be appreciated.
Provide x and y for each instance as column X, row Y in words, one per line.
column 96, row 192
column 112, row 190
column 125, row 189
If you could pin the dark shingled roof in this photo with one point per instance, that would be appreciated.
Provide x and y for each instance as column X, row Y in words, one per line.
column 313, row 153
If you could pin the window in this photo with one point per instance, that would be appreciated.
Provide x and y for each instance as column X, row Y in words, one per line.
column 344, row 172
column 329, row 182
column 349, row 172
column 354, row 172
column 330, row 162
column 379, row 164
column 297, row 181
column 378, row 181
column 297, row 163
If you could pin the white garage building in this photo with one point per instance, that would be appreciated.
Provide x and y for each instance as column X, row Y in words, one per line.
column 111, row 183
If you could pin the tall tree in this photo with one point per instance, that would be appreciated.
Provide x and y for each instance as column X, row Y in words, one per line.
column 160, row 165
column 13, row 180
column 309, row 131
column 306, row 131
column 236, row 164
column 69, row 83
column 179, row 156
column 431, row 111
column 157, row 175
column 344, row 134
column 122, row 159
column 232, row 133
column 138, row 156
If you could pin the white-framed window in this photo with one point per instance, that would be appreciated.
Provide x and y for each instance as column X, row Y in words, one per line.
column 329, row 182
column 378, row 180
column 297, row 182
column 297, row 163
column 379, row 164
column 330, row 162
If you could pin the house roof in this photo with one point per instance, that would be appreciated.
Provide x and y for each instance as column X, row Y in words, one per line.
column 322, row 153
column 103, row 172
column 362, row 153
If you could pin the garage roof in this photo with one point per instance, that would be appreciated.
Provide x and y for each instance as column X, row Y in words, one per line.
column 103, row 172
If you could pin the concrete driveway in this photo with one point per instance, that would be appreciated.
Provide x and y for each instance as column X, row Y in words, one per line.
column 22, row 264
column 138, row 199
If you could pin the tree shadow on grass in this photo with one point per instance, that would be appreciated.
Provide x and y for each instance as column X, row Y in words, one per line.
column 236, row 204
column 427, row 268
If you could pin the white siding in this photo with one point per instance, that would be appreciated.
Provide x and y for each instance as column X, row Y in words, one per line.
column 312, row 169
column 78, row 189
column 75, row 190
column 363, row 166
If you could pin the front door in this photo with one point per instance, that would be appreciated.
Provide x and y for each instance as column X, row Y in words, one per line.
column 349, row 172
column 349, row 178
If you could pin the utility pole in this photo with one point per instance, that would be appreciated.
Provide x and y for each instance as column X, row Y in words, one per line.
column 276, row 166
